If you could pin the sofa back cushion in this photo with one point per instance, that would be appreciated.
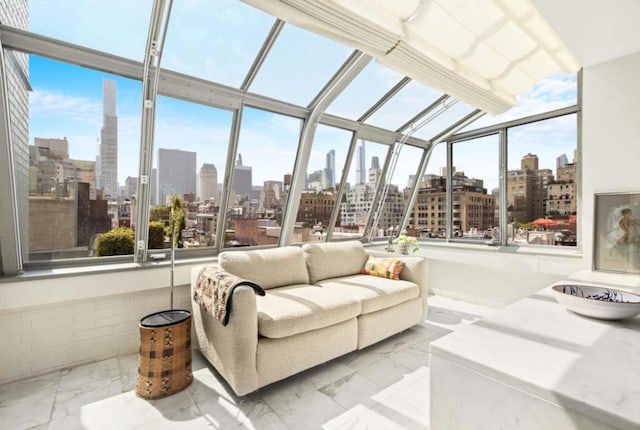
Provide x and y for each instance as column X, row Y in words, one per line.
column 268, row 268
column 333, row 259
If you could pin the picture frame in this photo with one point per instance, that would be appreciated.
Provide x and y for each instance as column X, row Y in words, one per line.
column 616, row 245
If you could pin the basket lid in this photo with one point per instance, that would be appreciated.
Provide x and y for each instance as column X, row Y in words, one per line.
column 165, row 318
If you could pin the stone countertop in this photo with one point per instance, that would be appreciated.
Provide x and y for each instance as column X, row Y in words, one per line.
column 536, row 345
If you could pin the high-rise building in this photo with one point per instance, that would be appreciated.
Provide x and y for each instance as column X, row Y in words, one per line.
column 330, row 170
column 374, row 171
column 153, row 187
column 130, row 186
column 242, row 178
column 527, row 190
column 108, row 161
column 361, row 173
column 176, row 173
column 208, row 182
column 472, row 208
column 15, row 13
column 561, row 161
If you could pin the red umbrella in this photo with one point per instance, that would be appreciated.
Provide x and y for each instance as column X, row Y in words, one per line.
column 544, row 222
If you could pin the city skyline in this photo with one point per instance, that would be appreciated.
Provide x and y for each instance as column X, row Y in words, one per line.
column 67, row 102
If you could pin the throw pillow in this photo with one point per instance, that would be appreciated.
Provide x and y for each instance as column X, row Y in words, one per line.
column 383, row 267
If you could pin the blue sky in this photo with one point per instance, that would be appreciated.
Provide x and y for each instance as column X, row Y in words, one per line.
column 218, row 41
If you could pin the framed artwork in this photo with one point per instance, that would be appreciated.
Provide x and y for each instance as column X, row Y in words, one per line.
column 616, row 244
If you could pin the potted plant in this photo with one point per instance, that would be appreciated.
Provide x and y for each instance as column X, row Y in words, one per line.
column 407, row 242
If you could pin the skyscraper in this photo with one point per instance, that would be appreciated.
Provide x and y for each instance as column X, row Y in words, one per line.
column 330, row 170
column 242, row 177
column 208, row 182
column 361, row 173
column 176, row 173
column 374, row 171
column 108, row 158
column 561, row 161
column 15, row 13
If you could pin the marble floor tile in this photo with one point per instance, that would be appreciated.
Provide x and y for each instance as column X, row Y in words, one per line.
column 385, row 372
column 28, row 403
column 207, row 384
column 327, row 373
column 384, row 386
column 310, row 412
column 222, row 413
column 412, row 358
column 188, row 418
column 281, row 393
column 128, row 365
column 351, row 390
column 138, row 411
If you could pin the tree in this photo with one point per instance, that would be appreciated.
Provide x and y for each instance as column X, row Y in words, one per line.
column 156, row 235
column 178, row 217
column 117, row 241
column 159, row 213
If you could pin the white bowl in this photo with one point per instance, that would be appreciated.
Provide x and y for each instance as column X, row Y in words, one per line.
column 598, row 302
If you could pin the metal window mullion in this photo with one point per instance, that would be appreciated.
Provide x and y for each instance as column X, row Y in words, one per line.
column 347, row 72
column 376, row 206
column 384, row 99
column 449, row 191
column 422, row 167
column 262, row 54
column 43, row 46
column 493, row 129
column 503, row 175
column 439, row 102
column 10, row 249
column 341, row 187
column 153, row 51
column 227, row 185
column 579, row 170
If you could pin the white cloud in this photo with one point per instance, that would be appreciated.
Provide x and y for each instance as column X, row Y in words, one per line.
column 53, row 104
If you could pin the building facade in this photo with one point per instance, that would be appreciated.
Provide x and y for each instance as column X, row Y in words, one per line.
column 108, row 158
column 176, row 174
column 208, row 182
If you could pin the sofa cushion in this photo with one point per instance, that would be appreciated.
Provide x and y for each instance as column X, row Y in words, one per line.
column 374, row 293
column 268, row 268
column 296, row 309
column 383, row 267
column 333, row 259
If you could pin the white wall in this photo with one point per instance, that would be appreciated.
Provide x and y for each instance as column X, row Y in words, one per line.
column 611, row 137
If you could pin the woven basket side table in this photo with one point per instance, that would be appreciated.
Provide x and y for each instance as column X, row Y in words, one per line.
column 164, row 365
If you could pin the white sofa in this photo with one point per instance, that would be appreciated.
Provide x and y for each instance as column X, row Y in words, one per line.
column 317, row 306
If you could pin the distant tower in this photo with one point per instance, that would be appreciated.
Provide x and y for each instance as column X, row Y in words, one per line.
column 176, row 173
column 375, row 162
column 374, row 171
column 108, row 179
column 529, row 162
column 208, row 182
column 561, row 162
column 330, row 170
column 242, row 178
column 361, row 175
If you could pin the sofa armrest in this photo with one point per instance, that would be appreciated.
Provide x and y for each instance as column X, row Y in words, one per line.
column 231, row 349
column 415, row 270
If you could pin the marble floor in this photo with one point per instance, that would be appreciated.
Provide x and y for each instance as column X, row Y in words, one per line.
column 385, row 386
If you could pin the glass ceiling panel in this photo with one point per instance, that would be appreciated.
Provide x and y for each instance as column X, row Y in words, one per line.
column 555, row 92
column 118, row 27
column 365, row 90
column 215, row 40
column 442, row 121
column 404, row 105
column 298, row 66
